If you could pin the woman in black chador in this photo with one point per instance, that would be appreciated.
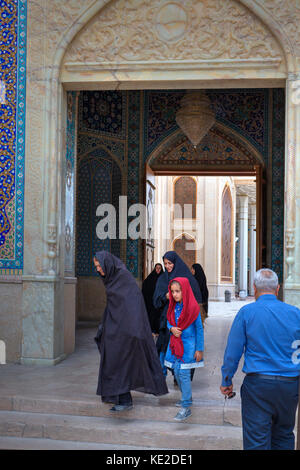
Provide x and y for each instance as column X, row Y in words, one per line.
column 129, row 359
column 148, row 289
column 174, row 267
column 199, row 274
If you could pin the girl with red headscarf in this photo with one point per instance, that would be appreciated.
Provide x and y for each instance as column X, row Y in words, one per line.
column 186, row 345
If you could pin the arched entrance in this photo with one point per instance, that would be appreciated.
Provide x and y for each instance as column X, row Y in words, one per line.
column 221, row 154
column 73, row 66
column 154, row 60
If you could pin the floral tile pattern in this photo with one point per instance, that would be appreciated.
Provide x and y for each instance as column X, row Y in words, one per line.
column 13, row 15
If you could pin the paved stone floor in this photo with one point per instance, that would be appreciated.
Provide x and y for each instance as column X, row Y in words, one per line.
column 76, row 377
column 46, row 407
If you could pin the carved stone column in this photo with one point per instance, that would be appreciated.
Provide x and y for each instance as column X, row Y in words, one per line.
column 243, row 243
column 292, row 192
column 43, row 290
column 252, row 245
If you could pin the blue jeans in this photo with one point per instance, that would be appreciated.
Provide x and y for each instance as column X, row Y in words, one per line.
column 183, row 377
column 268, row 413
column 162, row 356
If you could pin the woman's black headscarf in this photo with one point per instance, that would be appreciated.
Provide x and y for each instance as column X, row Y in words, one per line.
column 159, row 299
column 148, row 289
column 129, row 359
column 201, row 279
column 181, row 270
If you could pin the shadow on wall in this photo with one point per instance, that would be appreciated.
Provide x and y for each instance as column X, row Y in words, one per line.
column 91, row 299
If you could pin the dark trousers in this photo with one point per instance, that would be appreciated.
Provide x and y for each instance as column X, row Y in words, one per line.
column 125, row 399
column 268, row 413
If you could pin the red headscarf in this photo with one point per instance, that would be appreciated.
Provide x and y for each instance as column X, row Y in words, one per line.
column 189, row 313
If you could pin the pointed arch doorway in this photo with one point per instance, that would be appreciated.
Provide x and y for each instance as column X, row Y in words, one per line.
column 81, row 65
column 213, row 222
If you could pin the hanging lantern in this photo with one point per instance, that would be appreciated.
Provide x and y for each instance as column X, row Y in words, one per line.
column 195, row 116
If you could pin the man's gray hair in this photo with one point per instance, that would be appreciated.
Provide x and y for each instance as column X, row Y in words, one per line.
column 265, row 280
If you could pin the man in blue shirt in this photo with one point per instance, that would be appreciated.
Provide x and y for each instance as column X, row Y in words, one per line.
column 267, row 332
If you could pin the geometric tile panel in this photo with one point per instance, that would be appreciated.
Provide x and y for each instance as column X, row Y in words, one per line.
column 135, row 175
column 278, row 149
column 98, row 181
column 244, row 111
column 12, row 132
column 215, row 149
column 103, row 111
column 69, row 182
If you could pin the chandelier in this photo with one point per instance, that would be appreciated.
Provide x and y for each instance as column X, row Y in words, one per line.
column 195, row 116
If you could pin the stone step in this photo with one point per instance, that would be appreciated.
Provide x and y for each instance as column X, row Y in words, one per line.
column 141, row 433
column 24, row 443
column 203, row 412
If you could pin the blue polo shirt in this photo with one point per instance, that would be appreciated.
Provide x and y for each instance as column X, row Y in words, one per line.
column 267, row 332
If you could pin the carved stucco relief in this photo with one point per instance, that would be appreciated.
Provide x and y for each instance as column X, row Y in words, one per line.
column 287, row 15
column 139, row 30
column 60, row 16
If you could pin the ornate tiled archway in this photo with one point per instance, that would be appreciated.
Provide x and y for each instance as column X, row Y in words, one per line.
column 219, row 150
column 53, row 32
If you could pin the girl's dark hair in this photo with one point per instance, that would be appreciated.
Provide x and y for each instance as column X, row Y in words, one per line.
column 175, row 282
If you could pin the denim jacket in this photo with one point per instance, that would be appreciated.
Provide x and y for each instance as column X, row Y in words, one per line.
column 193, row 340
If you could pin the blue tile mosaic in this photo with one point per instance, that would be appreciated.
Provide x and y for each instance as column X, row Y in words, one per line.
column 13, row 26
column 151, row 118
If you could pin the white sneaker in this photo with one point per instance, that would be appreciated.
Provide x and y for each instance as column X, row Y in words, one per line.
column 183, row 414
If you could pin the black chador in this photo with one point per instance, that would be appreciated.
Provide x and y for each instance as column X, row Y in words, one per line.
column 148, row 289
column 201, row 279
column 180, row 269
column 159, row 298
column 129, row 360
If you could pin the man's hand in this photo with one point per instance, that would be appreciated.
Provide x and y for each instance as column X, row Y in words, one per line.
column 175, row 331
column 198, row 356
column 226, row 390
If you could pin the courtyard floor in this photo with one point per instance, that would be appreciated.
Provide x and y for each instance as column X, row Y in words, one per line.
column 70, row 386
column 77, row 375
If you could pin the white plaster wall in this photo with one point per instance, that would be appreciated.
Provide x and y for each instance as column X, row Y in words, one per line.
column 206, row 228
